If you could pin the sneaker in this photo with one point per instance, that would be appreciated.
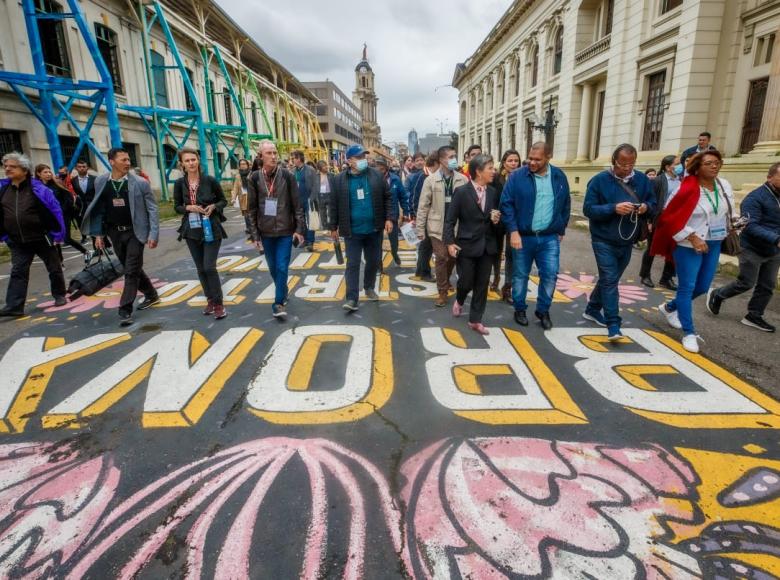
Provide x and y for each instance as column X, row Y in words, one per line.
column 521, row 318
column 125, row 318
column 441, row 301
column 278, row 310
column 350, row 306
column 596, row 317
column 690, row 342
column 11, row 313
column 647, row 281
column 219, row 312
column 371, row 295
column 209, row 310
column 479, row 327
column 544, row 320
column 672, row 318
column 60, row 301
column 714, row 301
column 148, row 302
column 506, row 294
column 614, row 334
column 457, row 309
column 758, row 322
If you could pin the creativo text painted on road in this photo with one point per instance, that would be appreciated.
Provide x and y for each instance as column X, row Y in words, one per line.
column 184, row 373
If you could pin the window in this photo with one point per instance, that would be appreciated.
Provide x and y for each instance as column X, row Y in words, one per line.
column 220, row 160
column 213, row 99
column 227, row 101
column 558, row 55
column 189, row 105
column 254, row 117
column 654, row 112
column 501, row 89
column 529, row 136
column 764, row 48
column 10, row 141
column 169, row 154
column 52, row 34
column 499, row 141
column 233, row 162
column 158, row 76
column 534, row 66
column 320, row 110
column 324, row 127
column 608, row 21
column 667, row 5
column 68, row 146
column 107, row 45
column 512, row 136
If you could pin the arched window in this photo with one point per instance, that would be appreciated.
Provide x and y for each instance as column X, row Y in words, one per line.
column 52, row 34
column 558, row 55
column 534, row 66
column 109, row 50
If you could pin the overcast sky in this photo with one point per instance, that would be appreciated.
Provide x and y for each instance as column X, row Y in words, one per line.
column 413, row 46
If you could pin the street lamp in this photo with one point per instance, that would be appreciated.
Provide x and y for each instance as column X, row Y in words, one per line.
column 550, row 121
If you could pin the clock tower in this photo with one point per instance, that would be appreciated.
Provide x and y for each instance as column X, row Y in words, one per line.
column 365, row 98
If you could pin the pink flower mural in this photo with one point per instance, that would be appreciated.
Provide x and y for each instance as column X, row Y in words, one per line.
column 583, row 286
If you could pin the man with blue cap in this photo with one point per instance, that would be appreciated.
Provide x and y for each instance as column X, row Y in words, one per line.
column 361, row 209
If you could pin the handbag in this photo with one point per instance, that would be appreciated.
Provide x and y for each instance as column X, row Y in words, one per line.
column 315, row 223
column 642, row 223
column 96, row 275
column 730, row 245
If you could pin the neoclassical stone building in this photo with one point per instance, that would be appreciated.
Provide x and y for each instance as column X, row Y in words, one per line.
column 588, row 75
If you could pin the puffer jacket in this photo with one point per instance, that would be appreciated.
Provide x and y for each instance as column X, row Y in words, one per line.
column 48, row 208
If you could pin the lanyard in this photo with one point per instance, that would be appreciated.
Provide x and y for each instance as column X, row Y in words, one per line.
column 716, row 204
column 270, row 188
column 193, row 187
column 448, row 186
column 117, row 189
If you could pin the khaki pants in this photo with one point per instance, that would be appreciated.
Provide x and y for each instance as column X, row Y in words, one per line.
column 444, row 265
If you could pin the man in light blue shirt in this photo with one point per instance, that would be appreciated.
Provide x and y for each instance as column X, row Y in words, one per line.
column 545, row 200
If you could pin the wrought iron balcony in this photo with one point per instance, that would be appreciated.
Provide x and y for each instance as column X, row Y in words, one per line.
column 601, row 45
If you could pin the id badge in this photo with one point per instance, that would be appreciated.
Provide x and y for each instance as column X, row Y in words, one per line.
column 447, row 199
column 118, row 201
column 361, row 194
column 270, row 207
column 194, row 219
column 718, row 229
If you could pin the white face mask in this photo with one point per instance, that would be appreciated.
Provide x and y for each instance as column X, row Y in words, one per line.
column 452, row 164
column 362, row 165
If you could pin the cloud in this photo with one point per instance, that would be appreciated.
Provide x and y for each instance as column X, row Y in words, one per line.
column 413, row 47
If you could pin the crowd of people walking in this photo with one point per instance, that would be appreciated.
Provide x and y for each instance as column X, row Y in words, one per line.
column 469, row 215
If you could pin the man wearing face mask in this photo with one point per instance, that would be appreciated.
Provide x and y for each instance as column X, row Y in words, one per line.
column 361, row 210
column 435, row 199
column 665, row 186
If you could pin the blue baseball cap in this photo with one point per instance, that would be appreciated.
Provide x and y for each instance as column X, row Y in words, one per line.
column 355, row 150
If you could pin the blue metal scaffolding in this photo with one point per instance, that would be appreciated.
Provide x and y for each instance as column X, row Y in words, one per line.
column 56, row 95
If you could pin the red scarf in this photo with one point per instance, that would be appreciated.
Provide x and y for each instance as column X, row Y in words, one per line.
column 674, row 217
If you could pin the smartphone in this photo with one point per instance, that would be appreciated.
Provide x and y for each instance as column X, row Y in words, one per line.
column 296, row 243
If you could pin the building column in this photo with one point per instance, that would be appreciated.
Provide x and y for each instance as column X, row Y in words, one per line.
column 769, row 135
column 586, row 112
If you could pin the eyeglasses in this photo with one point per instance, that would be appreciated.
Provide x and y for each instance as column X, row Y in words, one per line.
column 625, row 165
column 7, row 167
column 712, row 164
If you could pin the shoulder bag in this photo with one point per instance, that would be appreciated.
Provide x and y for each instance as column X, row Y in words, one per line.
column 730, row 245
column 642, row 226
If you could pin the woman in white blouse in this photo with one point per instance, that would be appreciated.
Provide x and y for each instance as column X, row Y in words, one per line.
column 690, row 230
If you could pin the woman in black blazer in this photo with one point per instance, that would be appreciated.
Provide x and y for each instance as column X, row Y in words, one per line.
column 201, row 200
column 474, row 212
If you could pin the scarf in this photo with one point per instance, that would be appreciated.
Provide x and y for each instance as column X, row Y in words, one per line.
column 674, row 217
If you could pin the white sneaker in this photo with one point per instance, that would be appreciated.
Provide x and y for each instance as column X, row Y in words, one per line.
column 690, row 342
column 672, row 318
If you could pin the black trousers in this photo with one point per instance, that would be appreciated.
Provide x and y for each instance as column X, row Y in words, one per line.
column 130, row 252
column 647, row 264
column 474, row 277
column 205, row 257
column 424, row 255
column 755, row 271
column 22, row 256
column 393, row 236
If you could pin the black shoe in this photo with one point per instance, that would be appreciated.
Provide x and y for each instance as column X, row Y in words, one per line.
column 11, row 313
column 125, row 318
column 521, row 318
column 148, row 302
column 544, row 319
column 757, row 322
column 714, row 301
column 60, row 301
column 647, row 281
column 668, row 284
column 396, row 259
column 350, row 306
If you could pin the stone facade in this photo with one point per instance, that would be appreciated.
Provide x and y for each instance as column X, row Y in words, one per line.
column 653, row 73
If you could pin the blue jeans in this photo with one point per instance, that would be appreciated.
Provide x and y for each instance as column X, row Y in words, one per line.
column 277, row 253
column 369, row 246
column 611, row 260
column 545, row 251
column 694, row 276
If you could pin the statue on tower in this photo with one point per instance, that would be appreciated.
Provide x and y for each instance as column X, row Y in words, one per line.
column 365, row 51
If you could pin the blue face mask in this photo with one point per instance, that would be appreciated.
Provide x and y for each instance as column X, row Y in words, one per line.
column 678, row 169
column 362, row 165
column 452, row 164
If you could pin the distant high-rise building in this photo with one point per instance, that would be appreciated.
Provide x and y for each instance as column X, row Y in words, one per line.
column 431, row 142
column 339, row 118
column 414, row 144
column 364, row 97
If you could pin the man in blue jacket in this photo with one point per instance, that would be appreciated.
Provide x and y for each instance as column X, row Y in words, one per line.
column 400, row 200
column 535, row 208
column 759, row 261
column 615, row 201
column 308, row 189
column 702, row 144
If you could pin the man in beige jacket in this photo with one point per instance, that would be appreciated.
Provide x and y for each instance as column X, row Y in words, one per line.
column 435, row 198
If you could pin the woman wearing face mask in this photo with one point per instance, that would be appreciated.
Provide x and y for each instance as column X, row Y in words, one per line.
column 510, row 161
column 690, row 230
column 199, row 198
column 44, row 173
column 239, row 192
column 665, row 186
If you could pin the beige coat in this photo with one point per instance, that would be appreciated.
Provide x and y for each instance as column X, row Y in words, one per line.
column 236, row 192
column 430, row 212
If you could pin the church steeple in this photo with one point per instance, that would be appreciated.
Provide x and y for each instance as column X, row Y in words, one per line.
column 364, row 97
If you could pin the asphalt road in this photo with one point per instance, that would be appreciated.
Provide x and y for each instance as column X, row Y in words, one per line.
column 388, row 443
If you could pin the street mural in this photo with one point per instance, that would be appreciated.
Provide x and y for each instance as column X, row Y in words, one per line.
column 390, row 443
